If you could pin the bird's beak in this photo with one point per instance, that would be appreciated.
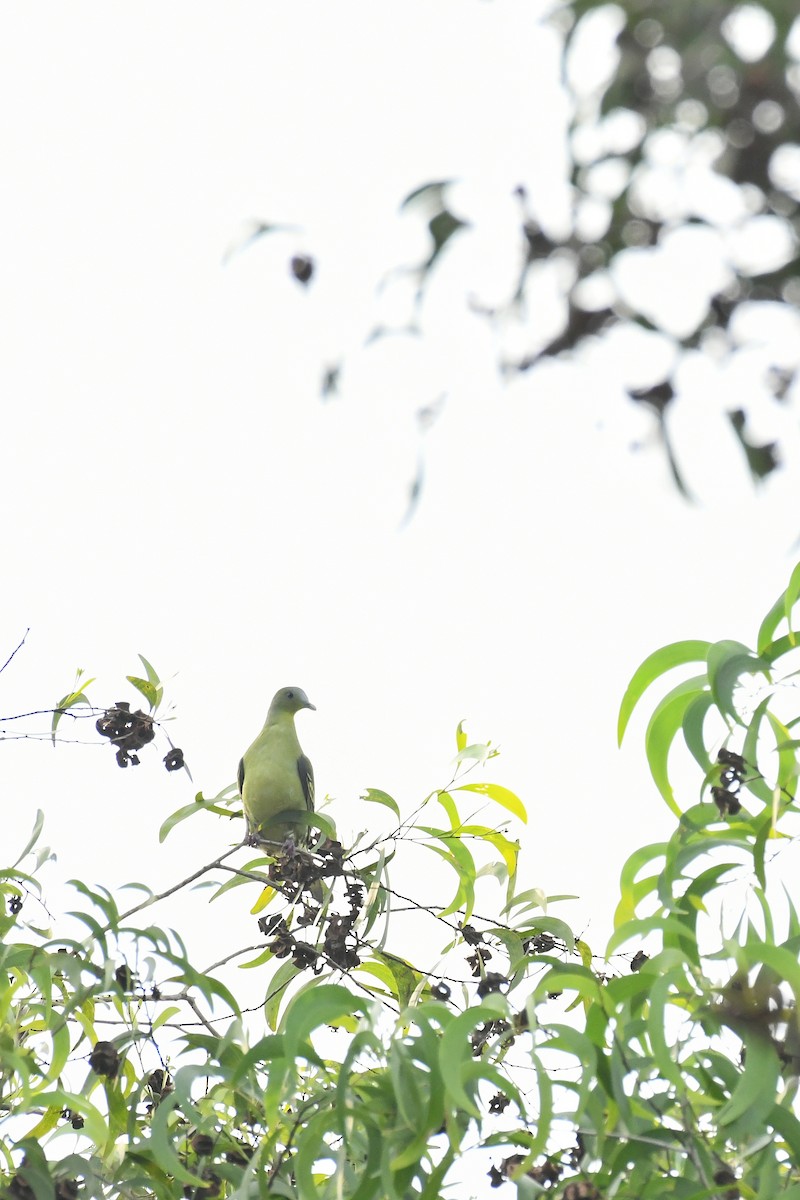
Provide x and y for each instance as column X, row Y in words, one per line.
column 308, row 704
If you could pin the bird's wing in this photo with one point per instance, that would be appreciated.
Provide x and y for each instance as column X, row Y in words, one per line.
column 240, row 775
column 306, row 773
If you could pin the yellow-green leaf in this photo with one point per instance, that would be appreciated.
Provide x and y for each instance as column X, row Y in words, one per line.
column 501, row 795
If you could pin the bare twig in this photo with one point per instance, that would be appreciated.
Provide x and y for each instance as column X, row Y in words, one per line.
column 217, row 862
column 14, row 651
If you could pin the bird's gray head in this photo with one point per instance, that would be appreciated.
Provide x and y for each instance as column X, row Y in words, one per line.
column 288, row 701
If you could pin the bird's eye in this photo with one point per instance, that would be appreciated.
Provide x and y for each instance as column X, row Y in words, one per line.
column 290, row 695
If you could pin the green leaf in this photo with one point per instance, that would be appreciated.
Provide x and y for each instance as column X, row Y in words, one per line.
column 656, row 664
column 755, row 1093
column 664, row 724
column 406, row 978
column 200, row 804
column 476, row 752
column 161, row 1134
column 38, row 825
column 508, row 850
column 71, row 700
column 150, row 693
column 757, row 786
column 152, row 674
column 553, row 926
column 430, row 191
column 150, row 687
column 639, row 928
column 659, row 993
column 790, row 599
column 164, row 1016
column 501, row 795
column 376, row 796
column 454, row 852
column 278, row 984
column 727, row 662
column 532, row 898
column 787, row 1125
column 693, row 724
column 322, row 1005
column 264, row 956
column 456, row 1060
column 461, row 736
column 771, row 622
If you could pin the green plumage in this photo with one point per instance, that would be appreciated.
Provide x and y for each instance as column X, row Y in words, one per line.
column 275, row 777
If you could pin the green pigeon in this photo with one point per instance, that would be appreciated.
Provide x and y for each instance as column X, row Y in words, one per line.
column 275, row 777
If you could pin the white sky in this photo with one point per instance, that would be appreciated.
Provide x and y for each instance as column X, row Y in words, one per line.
column 173, row 484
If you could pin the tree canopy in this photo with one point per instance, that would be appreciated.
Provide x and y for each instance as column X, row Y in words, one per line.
column 401, row 1042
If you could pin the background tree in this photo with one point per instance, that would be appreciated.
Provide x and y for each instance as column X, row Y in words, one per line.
column 368, row 1066
column 679, row 222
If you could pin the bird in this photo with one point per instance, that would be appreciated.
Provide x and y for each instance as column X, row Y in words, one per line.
column 275, row 777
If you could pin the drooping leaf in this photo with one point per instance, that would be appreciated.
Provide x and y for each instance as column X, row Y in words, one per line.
column 38, row 825
column 656, row 664
column 661, row 730
column 376, row 796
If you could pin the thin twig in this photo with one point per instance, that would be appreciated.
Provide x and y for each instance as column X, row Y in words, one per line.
column 14, row 651
column 176, row 887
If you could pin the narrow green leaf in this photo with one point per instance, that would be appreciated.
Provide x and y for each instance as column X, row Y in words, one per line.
column 664, row 724
column 631, row 891
column 790, row 599
column 405, row 976
column 164, row 1016
column 693, row 725
column 382, row 973
column 454, row 852
column 152, row 674
column 656, row 664
column 787, row 1125
column 188, row 810
column 276, row 991
column 507, row 849
column 555, row 927
column 754, row 1095
column 477, row 752
column 38, row 825
column 461, row 736
column 777, row 649
column 376, row 796
column 449, row 805
column 322, row 1005
column 727, row 661
column 147, row 689
column 755, row 784
column 71, row 700
column 455, row 1056
column 532, row 898
column 162, row 1134
column 770, row 623
column 264, row 956
column 659, row 992
column 464, row 899
column 501, row 795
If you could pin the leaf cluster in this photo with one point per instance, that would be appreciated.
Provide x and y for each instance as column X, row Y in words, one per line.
column 395, row 1043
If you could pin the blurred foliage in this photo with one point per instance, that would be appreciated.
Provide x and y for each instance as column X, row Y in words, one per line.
column 697, row 89
column 388, row 1059
column 683, row 146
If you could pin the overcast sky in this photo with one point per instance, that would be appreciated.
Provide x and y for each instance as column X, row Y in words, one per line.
column 173, row 484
